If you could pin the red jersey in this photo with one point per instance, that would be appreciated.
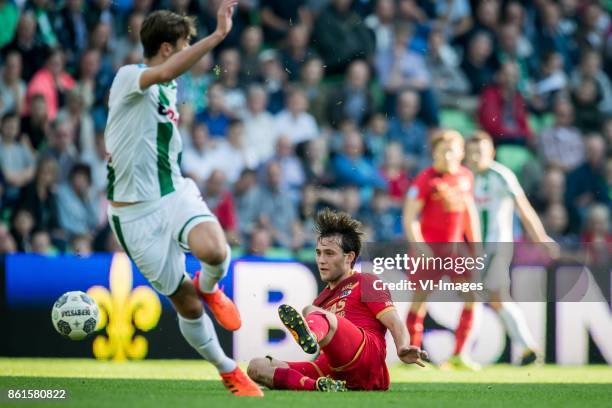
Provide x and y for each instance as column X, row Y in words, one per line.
column 345, row 300
column 443, row 196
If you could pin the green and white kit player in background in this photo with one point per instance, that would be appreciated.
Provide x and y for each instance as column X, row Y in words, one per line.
column 497, row 193
column 154, row 211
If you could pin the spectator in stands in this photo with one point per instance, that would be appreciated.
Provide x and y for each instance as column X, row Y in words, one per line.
column 550, row 34
column 231, row 155
column 41, row 243
column 260, row 133
column 195, row 83
column 381, row 23
column 561, row 145
column 597, row 226
column 7, row 242
column 35, row 125
column 340, row 36
column 586, row 98
column 51, row 81
column 77, row 203
column 550, row 84
column 477, row 64
column 274, row 80
column 82, row 245
column 555, row 221
column 274, row 208
column 197, row 158
column 487, row 19
column 385, row 217
column 315, row 162
column 245, row 200
column 250, row 47
column 61, row 147
column 42, row 10
column 12, row 87
column 259, row 243
column 97, row 161
column 229, row 77
column 32, row 52
column 16, row 161
column 448, row 81
column 394, row 172
column 352, row 168
column 221, row 203
column 100, row 41
column 129, row 42
column 39, row 197
column 316, row 91
column 295, row 121
column 296, row 51
column 352, row 99
column 550, row 191
column 409, row 131
column 400, row 68
column 277, row 16
column 71, row 27
column 292, row 171
column 590, row 69
column 586, row 185
column 216, row 116
column 509, row 50
column 9, row 17
column 502, row 110
column 22, row 227
column 80, row 119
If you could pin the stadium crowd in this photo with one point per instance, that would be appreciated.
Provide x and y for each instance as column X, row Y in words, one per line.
column 310, row 103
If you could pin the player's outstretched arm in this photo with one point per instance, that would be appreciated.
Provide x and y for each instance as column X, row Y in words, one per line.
column 407, row 353
column 183, row 60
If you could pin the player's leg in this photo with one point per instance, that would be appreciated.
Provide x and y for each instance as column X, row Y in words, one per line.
column 415, row 318
column 516, row 325
column 197, row 328
column 197, row 229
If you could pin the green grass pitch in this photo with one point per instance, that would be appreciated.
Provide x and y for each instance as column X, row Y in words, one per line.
column 193, row 383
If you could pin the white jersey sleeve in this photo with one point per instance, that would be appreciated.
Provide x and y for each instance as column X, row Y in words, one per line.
column 127, row 83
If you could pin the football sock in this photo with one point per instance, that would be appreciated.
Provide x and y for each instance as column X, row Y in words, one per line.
column 318, row 325
column 515, row 323
column 211, row 274
column 463, row 329
column 200, row 334
column 414, row 322
column 290, row 379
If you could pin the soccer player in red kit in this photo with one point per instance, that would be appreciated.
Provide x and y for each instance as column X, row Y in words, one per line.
column 346, row 323
column 440, row 209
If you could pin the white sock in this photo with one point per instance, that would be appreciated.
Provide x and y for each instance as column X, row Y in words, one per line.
column 515, row 323
column 200, row 334
column 211, row 274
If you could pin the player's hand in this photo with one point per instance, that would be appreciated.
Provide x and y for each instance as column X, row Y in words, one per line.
column 412, row 355
column 224, row 16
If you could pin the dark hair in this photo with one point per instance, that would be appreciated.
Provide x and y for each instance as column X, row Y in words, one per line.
column 164, row 26
column 9, row 115
column 80, row 168
column 329, row 223
column 479, row 136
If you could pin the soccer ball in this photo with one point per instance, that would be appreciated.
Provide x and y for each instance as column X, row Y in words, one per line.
column 75, row 315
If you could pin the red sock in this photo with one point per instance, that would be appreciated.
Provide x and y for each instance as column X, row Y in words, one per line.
column 318, row 325
column 414, row 322
column 463, row 329
column 289, row 379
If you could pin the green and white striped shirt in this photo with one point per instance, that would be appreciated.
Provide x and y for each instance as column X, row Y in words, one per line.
column 142, row 138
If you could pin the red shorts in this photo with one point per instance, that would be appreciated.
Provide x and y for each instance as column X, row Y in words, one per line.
column 365, row 370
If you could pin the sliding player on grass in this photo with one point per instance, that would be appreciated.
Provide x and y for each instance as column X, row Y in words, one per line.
column 497, row 192
column 347, row 322
column 440, row 210
column 154, row 211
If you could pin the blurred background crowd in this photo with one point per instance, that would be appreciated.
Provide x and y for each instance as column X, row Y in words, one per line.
column 310, row 103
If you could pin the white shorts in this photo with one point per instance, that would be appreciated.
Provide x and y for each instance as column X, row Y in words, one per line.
column 497, row 271
column 154, row 234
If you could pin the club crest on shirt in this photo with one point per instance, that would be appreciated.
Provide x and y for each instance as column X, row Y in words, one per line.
column 345, row 293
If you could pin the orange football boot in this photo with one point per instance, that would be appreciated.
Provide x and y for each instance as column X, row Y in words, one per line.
column 223, row 309
column 240, row 384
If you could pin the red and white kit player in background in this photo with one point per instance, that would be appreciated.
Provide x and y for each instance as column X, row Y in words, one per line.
column 440, row 209
column 156, row 213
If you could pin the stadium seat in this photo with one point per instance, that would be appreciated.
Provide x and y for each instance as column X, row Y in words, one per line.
column 456, row 119
column 514, row 157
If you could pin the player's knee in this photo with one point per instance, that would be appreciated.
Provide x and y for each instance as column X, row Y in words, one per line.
column 211, row 252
